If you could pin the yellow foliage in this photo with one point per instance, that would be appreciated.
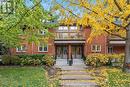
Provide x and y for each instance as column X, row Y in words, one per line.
column 98, row 59
column 100, row 15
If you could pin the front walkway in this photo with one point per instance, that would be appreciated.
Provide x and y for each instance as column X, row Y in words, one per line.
column 75, row 75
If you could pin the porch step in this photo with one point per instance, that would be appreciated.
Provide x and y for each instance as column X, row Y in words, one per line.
column 73, row 68
column 74, row 73
column 76, row 77
column 63, row 62
column 79, row 84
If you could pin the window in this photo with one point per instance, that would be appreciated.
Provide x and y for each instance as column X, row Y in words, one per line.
column 62, row 35
column 110, row 49
column 42, row 32
column 63, row 28
column 43, row 48
column 22, row 48
column 96, row 48
column 73, row 28
column 6, row 6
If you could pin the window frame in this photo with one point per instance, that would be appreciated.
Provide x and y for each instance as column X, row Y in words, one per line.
column 6, row 6
column 42, row 48
column 63, row 28
column 21, row 49
column 73, row 28
column 110, row 50
column 96, row 48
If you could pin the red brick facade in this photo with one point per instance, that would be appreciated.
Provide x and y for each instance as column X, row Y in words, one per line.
column 100, row 43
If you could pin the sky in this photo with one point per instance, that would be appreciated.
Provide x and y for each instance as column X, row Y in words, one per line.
column 45, row 3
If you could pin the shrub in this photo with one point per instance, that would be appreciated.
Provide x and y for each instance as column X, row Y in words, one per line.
column 96, row 59
column 34, row 56
column 15, row 60
column 116, row 59
column 24, row 62
column 6, row 59
column 48, row 60
column 105, row 59
column 36, row 62
column 28, row 60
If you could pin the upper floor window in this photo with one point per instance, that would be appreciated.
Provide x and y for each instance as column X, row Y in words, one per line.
column 63, row 28
column 68, row 28
column 96, row 48
column 73, row 28
column 21, row 48
column 43, row 48
column 6, row 6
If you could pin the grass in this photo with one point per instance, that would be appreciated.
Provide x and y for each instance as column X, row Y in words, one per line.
column 23, row 77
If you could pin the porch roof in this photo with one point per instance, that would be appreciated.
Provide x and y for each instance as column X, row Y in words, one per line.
column 117, row 42
column 68, row 41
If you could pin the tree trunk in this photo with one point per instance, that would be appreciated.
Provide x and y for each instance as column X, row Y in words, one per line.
column 126, row 66
column 127, row 51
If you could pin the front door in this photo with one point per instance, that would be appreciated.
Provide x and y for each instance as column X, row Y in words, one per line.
column 62, row 52
column 76, row 51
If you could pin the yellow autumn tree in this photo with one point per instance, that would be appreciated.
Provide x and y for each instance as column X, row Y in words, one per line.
column 103, row 16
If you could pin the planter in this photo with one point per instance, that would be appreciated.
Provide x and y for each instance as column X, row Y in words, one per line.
column 70, row 62
column 117, row 64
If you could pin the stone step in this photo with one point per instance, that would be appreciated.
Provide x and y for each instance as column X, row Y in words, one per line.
column 75, row 81
column 79, row 84
column 76, row 77
column 73, row 68
column 74, row 73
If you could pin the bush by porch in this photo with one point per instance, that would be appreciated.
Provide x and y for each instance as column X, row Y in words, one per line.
column 97, row 60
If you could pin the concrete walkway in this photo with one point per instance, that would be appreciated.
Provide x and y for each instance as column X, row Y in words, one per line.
column 75, row 75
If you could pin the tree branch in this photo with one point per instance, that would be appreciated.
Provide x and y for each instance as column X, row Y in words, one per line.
column 127, row 25
column 24, row 15
column 67, row 10
column 127, row 17
column 97, row 14
column 124, row 38
column 119, row 8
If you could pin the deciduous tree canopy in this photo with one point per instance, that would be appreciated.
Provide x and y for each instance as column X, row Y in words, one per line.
column 26, row 20
column 104, row 16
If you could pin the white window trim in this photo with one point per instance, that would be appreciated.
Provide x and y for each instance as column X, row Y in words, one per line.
column 96, row 48
column 21, row 50
column 111, row 48
column 73, row 28
column 42, row 50
column 63, row 28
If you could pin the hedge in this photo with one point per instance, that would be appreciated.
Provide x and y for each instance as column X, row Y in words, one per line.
column 38, row 59
column 105, row 59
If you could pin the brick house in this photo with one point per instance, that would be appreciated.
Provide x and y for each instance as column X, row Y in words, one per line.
column 72, row 42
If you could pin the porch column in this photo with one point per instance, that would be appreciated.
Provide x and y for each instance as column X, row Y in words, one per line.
column 69, row 51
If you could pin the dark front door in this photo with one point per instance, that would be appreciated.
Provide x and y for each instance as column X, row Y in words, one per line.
column 76, row 51
column 62, row 52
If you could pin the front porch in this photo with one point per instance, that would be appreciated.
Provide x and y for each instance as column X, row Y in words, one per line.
column 116, row 45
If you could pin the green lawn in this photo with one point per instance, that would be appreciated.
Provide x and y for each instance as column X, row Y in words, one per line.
column 23, row 77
